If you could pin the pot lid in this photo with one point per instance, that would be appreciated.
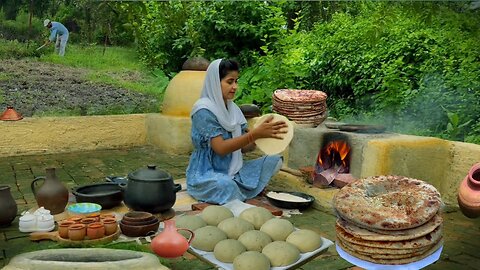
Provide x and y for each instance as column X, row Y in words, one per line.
column 150, row 173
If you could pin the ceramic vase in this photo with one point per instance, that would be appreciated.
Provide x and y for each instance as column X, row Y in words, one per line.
column 63, row 228
column 169, row 243
column 76, row 232
column 52, row 194
column 95, row 230
column 8, row 206
column 110, row 225
column 469, row 193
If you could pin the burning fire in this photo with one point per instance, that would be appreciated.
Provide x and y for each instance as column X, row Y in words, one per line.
column 334, row 154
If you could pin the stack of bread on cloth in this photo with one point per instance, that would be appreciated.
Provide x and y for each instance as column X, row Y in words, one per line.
column 389, row 219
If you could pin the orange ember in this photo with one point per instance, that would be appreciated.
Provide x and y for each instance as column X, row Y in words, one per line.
column 334, row 149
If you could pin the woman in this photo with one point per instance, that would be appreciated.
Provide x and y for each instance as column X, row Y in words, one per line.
column 216, row 172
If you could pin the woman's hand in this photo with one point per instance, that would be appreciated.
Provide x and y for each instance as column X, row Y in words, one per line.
column 270, row 129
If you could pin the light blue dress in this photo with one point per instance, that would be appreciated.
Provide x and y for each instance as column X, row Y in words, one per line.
column 207, row 172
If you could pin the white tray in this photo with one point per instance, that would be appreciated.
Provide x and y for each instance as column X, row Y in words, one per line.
column 237, row 207
column 374, row 266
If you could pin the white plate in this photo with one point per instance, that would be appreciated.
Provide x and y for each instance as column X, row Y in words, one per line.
column 237, row 207
column 374, row 266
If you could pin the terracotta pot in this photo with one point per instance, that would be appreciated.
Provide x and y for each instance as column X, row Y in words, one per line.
column 8, row 206
column 169, row 243
column 88, row 221
column 95, row 230
column 105, row 216
column 77, row 232
column 95, row 216
column 469, row 193
column 63, row 228
column 52, row 194
column 110, row 225
column 182, row 92
column 76, row 219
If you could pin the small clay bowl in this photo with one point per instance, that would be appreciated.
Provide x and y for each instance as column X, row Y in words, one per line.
column 136, row 231
column 137, row 216
column 151, row 220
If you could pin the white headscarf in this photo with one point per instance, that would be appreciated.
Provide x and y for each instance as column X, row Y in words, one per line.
column 231, row 119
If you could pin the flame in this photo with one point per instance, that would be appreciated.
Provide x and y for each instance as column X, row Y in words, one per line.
column 339, row 147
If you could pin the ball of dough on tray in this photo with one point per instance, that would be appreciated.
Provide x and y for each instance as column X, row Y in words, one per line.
column 189, row 222
column 207, row 237
column 251, row 260
column 256, row 215
column 227, row 250
column 281, row 253
column 305, row 240
column 214, row 214
column 235, row 226
column 278, row 229
column 255, row 240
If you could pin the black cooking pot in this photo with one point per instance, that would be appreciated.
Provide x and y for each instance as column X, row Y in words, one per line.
column 150, row 190
column 108, row 195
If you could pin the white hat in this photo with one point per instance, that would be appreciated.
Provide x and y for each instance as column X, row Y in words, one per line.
column 46, row 22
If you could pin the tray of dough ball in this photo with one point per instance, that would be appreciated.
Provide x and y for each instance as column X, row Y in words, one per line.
column 240, row 236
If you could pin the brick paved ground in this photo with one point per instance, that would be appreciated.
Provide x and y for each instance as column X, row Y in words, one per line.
column 462, row 235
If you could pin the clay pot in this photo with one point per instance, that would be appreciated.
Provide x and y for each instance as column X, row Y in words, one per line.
column 88, row 221
column 105, row 216
column 52, row 195
column 95, row 216
column 77, row 232
column 139, row 230
column 95, row 230
column 8, row 206
column 469, row 193
column 76, row 219
column 182, row 92
column 63, row 228
column 110, row 225
column 136, row 216
column 169, row 243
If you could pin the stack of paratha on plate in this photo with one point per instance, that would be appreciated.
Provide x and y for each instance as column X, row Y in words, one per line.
column 301, row 106
column 388, row 219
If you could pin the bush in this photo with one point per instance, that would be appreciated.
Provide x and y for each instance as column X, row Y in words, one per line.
column 18, row 50
column 19, row 29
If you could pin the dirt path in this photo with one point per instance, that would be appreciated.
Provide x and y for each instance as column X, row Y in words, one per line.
column 37, row 88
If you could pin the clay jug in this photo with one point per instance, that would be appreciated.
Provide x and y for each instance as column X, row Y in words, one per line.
column 169, row 243
column 8, row 206
column 52, row 194
column 469, row 193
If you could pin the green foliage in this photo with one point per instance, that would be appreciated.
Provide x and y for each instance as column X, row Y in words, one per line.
column 19, row 29
column 18, row 50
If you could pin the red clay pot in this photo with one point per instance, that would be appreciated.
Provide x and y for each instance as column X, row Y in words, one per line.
column 469, row 193
column 63, row 228
column 95, row 230
column 76, row 232
column 169, row 243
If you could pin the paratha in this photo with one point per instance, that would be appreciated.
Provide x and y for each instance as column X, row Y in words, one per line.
column 387, row 202
column 383, row 235
column 397, row 254
column 422, row 241
column 392, row 261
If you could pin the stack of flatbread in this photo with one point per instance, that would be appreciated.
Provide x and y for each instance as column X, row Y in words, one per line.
column 388, row 219
column 301, row 106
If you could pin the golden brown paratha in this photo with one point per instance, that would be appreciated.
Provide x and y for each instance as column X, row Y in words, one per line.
column 385, row 251
column 387, row 202
column 392, row 261
column 420, row 242
column 383, row 235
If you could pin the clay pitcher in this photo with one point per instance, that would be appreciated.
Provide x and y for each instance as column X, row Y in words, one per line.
column 8, row 206
column 52, row 194
column 469, row 193
column 169, row 243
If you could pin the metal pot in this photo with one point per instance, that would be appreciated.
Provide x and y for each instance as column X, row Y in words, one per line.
column 150, row 190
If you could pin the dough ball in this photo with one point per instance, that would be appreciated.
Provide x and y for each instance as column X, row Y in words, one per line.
column 281, row 253
column 189, row 222
column 305, row 240
column 227, row 250
column 278, row 229
column 207, row 237
column 251, row 260
column 214, row 214
column 256, row 215
column 234, row 227
column 255, row 240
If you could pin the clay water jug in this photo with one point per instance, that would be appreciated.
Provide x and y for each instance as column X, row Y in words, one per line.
column 469, row 193
column 8, row 206
column 52, row 194
column 169, row 243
